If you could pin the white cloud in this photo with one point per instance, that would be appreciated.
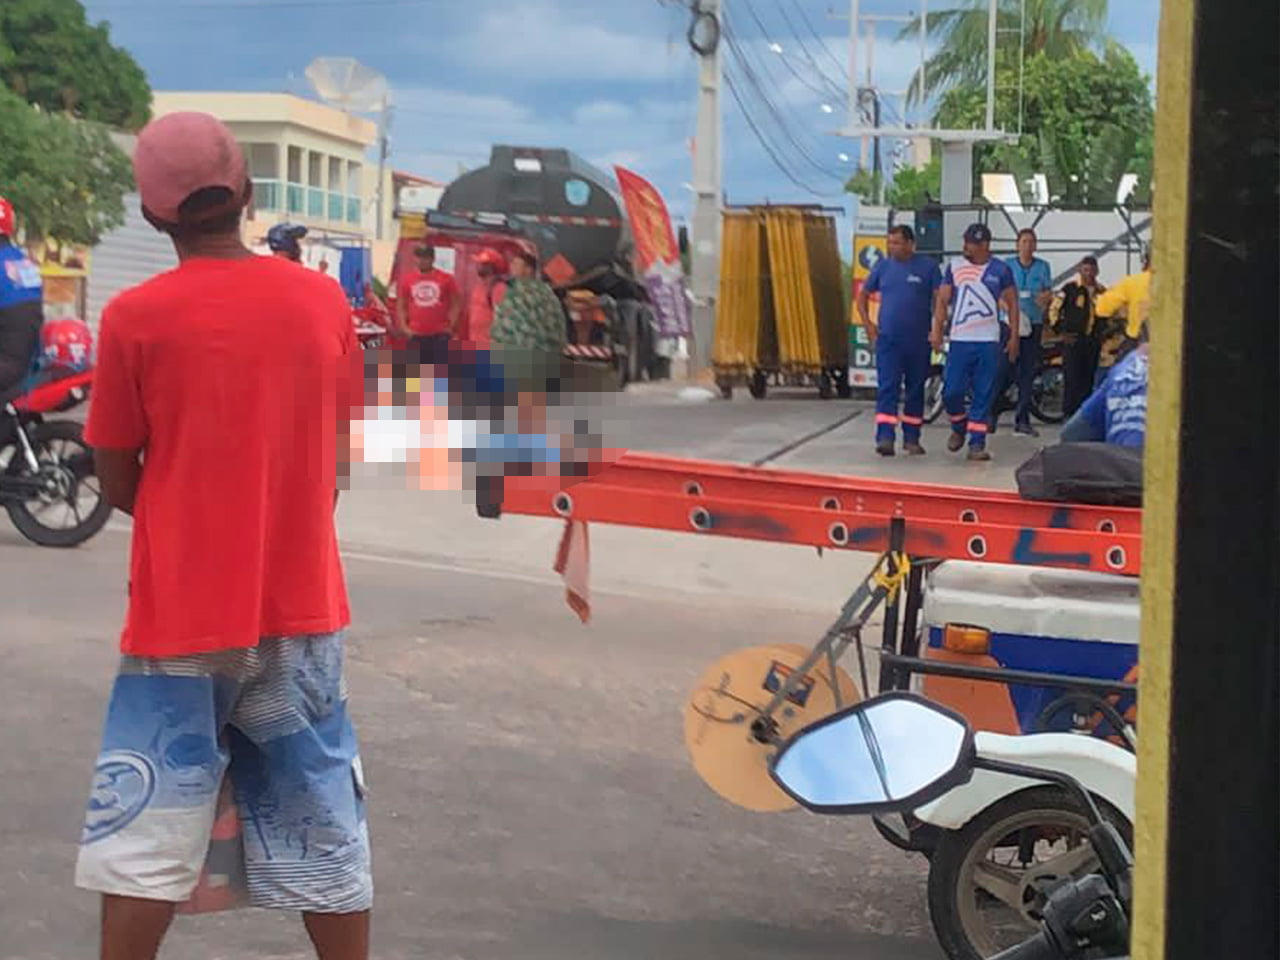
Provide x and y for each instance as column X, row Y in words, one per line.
column 549, row 43
column 603, row 112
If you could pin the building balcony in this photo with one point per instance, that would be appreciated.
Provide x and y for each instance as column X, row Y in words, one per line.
column 297, row 200
column 315, row 203
column 267, row 195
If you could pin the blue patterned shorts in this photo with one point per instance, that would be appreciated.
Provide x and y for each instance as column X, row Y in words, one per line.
column 273, row 719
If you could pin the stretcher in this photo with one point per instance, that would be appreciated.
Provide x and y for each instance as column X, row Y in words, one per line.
column 749, row 702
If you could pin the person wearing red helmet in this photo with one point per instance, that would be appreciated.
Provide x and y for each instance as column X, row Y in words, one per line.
column 21, row 308
column 491, row 269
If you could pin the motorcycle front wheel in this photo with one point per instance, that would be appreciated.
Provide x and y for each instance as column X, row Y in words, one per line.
column 1048, row 396
column 989, row 881
column 72, row 508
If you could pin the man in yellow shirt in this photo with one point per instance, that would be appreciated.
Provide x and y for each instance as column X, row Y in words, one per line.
column 1133, row 296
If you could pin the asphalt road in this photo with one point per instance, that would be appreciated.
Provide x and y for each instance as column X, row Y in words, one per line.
column 529, row 793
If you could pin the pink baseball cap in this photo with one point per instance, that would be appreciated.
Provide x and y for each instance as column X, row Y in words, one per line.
column 180, row 153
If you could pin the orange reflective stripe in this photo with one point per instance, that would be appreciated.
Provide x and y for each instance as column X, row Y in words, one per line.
column 888, row 418
column 913, row 421
column 977, row 427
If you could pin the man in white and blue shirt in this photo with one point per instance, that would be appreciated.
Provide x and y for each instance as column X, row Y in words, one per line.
column 1034, row 282
column 975, row 286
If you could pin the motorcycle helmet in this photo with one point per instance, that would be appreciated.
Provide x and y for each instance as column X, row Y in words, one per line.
column 284, row 237
column 7, row 218
column 66, row 347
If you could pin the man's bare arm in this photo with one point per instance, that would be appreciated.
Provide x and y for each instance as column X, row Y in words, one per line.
column 864, row 312
column 455, row 314
column 401, row 319
column 1010, row 300
column 119, row 472
column 940, row 304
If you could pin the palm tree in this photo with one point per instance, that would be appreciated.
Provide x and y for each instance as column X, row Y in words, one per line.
column 1056, row 28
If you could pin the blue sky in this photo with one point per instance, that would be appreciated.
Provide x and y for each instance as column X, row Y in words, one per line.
column 616, row 87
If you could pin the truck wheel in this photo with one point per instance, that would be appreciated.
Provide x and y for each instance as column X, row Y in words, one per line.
column 988, row 880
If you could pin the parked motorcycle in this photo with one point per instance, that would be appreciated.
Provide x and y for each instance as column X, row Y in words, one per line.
column 1048, row 390
column 47, row 480
column 994, row 803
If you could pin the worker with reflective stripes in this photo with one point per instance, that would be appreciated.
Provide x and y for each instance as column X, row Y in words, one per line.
column 978, row 285
column 906, row 282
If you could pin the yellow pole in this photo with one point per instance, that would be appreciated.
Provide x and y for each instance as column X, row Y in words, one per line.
column 1159, row 521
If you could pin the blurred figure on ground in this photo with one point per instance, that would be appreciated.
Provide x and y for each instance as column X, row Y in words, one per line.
column 1073, row 319
column 428, row 308
column 233, row 644
column 1034, row 282
column 974, row 286
column 907, row 283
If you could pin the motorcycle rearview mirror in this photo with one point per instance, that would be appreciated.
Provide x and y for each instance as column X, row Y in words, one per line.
column 890, row 754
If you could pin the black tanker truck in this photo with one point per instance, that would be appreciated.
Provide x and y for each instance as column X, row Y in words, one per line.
column 573, row 213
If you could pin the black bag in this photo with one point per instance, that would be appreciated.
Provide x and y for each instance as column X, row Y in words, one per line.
column 1075, row 309
column 1095, row 473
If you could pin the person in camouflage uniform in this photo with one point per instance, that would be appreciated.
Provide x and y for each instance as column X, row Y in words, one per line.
column 530, row 316
column 528, row 337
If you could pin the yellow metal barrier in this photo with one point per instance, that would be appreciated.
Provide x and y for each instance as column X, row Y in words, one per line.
column 781, row 308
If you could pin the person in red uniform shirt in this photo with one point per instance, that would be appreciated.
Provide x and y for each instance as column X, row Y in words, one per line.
column 486, row 295
column 428, row 308
column 215, row 423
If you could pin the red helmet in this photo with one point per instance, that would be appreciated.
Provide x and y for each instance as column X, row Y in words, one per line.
column 66, row 346
column 489, row 256
column 7, row 225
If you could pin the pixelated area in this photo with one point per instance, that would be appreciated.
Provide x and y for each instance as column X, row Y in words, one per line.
column 468, row 419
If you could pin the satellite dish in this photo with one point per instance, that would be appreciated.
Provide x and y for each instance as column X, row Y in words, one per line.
column 348, row 84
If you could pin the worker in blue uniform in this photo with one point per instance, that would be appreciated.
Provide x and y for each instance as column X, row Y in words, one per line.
column 1034, row 282
column 907, row 282
column 21, row 309
column 975, row 286
column 1117, row 411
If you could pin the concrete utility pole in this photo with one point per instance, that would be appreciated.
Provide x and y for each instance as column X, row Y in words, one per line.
column 708, row 176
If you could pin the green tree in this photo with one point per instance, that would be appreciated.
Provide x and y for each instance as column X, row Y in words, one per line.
column 909, row 190
column 51, row 56
column 66, row 178
column 1086, row 120
column 1057, row 29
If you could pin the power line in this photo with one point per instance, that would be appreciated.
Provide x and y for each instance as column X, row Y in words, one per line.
column 778, row 117
column 786, row 61
column 804, row 50
column 840, row 67
column 169, row 6
column 777, row 162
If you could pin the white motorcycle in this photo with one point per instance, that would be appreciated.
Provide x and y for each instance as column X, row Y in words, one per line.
column 1018, row 830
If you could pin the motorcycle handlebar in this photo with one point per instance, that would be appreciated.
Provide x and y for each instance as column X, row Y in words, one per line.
column 1038, row 947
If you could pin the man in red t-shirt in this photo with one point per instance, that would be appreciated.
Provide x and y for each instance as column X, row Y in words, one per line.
column 428, row 308
column 215, row 423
